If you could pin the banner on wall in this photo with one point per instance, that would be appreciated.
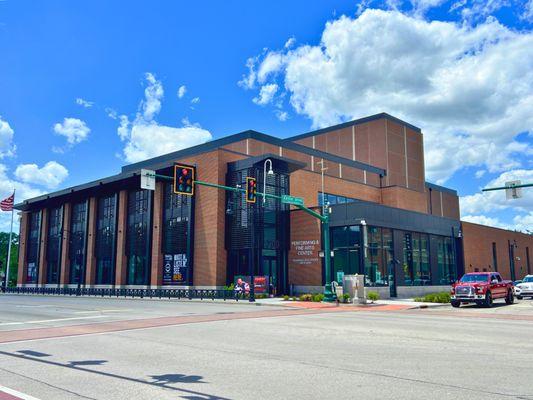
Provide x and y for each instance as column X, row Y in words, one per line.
column 175, row 269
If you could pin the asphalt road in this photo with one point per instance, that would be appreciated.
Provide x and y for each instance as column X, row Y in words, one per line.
column 228, row 351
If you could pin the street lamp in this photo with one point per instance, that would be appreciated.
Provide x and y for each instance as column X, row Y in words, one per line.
column 270, row 173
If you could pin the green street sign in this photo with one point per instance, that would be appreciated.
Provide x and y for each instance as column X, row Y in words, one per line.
column 297, row 201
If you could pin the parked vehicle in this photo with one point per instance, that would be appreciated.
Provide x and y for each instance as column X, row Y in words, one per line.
column 481, row 288
column 524, row 288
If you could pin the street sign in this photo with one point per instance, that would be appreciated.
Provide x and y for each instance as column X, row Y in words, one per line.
column 147, row 179
column 513, row 192
column 297, row 201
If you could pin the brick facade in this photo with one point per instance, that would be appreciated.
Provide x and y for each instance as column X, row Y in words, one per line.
column 378, row 160
column 478, row 254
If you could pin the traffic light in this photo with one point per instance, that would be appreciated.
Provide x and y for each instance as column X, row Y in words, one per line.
column 184, row 179
column 251, row 190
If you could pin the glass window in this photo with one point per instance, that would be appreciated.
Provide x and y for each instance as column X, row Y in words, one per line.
column 106, row 240
column 53, row 245
column 408, row 259
column 177, row 244
column 138, row 237
column 345, row 245
column 34, row 230
column 379, row 256
column 78, row 230
column 416, row 265
column 445, row 261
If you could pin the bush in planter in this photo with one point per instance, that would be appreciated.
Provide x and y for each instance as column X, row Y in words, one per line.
column 372, row 296
column 285, row 298
column 345, row 298
column 306, row 297
column 441, row 297
column 318, row 297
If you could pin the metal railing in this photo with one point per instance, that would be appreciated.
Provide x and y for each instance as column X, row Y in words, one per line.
column 202, row 294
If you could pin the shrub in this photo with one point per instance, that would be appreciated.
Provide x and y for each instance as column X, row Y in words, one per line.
column 306, row 297
column 441, row 297
column 372, row 296
column 318, row 297
column 285, row 298
column 345, row 298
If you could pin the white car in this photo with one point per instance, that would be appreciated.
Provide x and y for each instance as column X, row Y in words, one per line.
column 524, row 288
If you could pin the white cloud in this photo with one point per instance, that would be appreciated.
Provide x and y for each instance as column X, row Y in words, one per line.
column 196, row 100
column 486, row 202
column 528, row 11
column 73, row 129
column 266, row 94
column 524, row 222
column 84, row 103
column 7, row 148
column 484, row 220
column 151, row 140
column 24, row 191
column 478, row 9
column 290, row 42
column 181, row 91
column 282, row 115
column 420, row 7
column 144, row 137
column 470, row 88
column 480, row 173
column 153, row 93
column 51, row 175
column 478, row 205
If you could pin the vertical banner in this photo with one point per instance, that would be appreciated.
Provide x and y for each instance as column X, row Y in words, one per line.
column 175, row 269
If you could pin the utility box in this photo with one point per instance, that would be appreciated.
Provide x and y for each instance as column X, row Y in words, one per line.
column 354, row 285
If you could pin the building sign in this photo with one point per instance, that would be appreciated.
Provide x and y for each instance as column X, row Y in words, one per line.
column 305, row 252
column 175, row 269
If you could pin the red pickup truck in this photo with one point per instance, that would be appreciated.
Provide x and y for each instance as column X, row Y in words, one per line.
column 481, row 288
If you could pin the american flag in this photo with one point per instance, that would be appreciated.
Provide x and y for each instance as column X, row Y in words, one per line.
column 7, row 204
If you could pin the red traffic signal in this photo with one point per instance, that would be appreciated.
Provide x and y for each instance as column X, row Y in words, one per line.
column 251, row 190
column 184, row 176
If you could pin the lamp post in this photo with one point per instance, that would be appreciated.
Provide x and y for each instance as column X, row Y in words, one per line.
column 270, row 173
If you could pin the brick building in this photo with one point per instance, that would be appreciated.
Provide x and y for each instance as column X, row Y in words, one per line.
column 387, row 222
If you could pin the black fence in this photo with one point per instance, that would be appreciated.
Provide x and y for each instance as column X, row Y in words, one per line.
column 202, row 294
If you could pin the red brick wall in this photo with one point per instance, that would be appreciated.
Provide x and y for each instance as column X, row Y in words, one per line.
column 156, row 274
column 407, row 199
column 121, row 260
column 477, row 242
column 23, row 237
column 305, row 265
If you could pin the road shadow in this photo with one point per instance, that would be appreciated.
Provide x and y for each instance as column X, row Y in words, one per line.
column 163, row 381
column 176, row 378
column 87, row 362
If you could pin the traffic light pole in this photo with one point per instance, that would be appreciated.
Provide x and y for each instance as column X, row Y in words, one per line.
column 324, row 219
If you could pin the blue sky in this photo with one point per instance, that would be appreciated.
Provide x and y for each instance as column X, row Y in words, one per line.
column 460, row 70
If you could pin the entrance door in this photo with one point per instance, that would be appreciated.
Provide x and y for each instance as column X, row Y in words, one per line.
column 270, row 269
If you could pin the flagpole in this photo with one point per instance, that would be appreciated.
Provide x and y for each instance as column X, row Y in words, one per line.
column 9, row 246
